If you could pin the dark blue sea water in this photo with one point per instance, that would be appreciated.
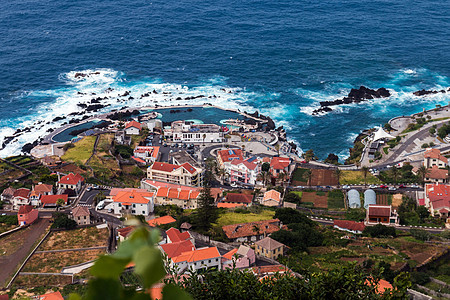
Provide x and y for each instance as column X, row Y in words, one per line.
column 280, row 57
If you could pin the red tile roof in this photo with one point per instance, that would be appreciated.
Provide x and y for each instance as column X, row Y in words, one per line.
column 272, row 195
column 436, row 154
column 350, row 225
column 436, row 173
column 280, row 163
column 51, row 199
column 24, row 209
column 43, row 188
column 177, row 248
column 229, row 255
column 229, row 205
column 133, row 124
column 115, row 191
column 379, row 210
column 197, row 255
column 189, row 167
column 139, row 160
column 80, row 211
column 248, row 229
column 133, row 197
column 51, row 296
column 176, row 236
column 231, row 154
column 238, row 198
column 22, row 192
column 71, row 179
column 161, row 221
column 125, row 231
column 437, row 192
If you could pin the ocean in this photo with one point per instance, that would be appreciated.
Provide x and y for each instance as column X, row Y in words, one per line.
column 278, row 57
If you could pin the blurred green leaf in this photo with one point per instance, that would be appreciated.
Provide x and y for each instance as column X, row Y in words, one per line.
column 140, row 237
column 149, row 265
column 108, row 266
column 101, row 288
column 74, row 296
column 171, row 291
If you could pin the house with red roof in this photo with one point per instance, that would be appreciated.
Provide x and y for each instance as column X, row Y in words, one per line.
column 51, row 296
column 228, row 155
column 135, row 202
column 184, row 174
column 124, row 232
column 271, row 198
column 51, row 200
column 38, row 190
column 161, row 221
column 280, row 165
column 21, row 197
column 27, row 215
column 242, row 257
column 71, row 181
column 174, row 236
column 437, row 199
column 176, row 249
column 433, row 157
column 349, row 226
column 133, row 128
column 384, row 214
column 236, row 198
column 252, row 231
column 148, row 154
column 204, row 258
column 436, row 175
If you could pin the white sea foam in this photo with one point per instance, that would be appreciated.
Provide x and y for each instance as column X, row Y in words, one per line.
column 101, row 83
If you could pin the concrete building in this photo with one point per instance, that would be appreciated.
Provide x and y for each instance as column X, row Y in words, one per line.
column 204, row 258
column 437, row 199
column 269, row 248
column 228, row 155
column 280, row 165
column 184, row 174
column 433, row 157
column 8, row 195
column 81, row 215
column 133, row 202
column 241, row 171
column 149, row 154
column 188, row 132
column 243, row 257
column 21, row 197
column 436, row 175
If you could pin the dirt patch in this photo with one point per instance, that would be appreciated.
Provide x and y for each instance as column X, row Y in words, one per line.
column 323, row 177
column 54, row 262
column 78, row 238
column 317, row 200
column 382, row 199
column 69, row 168
column 397, row 200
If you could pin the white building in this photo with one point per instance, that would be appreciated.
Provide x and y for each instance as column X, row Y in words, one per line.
column 133, row 128
column 149, row 154
column 203, row 258
column 187, row 132
column 135, row 202
column 433, row 157
column 184, row 174
column 242, row 171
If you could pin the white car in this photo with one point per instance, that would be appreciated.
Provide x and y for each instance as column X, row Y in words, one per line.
column 345, row 187
column 373, row 186
column 392, row 188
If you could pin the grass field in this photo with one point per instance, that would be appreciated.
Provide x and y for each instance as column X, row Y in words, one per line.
column 298, row 175
column 229, row 218
column 298, row 193
column 78, row 238
column 336, row 199
column 81, row 152
column 356, row 177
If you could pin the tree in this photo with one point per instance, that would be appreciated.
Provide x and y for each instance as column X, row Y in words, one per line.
column 388, row 127
column 420, row 234
column 332, row 159
column 379, row 230
column 395, row 172
column 207, row 210
column 365, row 172
column 422, row 173
column 338, row 174
column 62, row 221
column 277, row 147
column 308, row 176
column 423, row 212
column 432, row 130
column 292, row 197
column 289, row 215
column 60, row 202
column 265, row 167
column 309, row 155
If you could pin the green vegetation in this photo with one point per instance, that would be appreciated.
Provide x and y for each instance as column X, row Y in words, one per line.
column 335, row 199
column 399, row 175
column 379, row 230
column 411, row 214
column 81, row 152
column 393, row 142
column 293, row 197
column 123, row 150
column 356, row 151
column 9, row 220
column 356, row 177
column 230, row 217
column 444, row 130
column 61, row 220
column 299, row 175
column 207, row 213
column 386, row 150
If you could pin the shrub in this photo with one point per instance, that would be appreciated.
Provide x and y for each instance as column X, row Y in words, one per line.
column 420, row 234
column 9, row 220
column 62, row 221
column 379, row 230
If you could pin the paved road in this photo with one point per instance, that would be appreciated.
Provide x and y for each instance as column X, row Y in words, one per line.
column 27, row 237
column 88, row 197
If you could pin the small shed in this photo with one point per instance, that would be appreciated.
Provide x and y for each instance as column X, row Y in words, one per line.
column 353, row 199
column 369, row 198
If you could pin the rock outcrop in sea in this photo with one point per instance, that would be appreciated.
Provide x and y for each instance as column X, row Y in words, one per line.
column 427, row 92
column 355, row 96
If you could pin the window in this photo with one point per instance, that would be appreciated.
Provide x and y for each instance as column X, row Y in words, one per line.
column 209, row 261
column 143, row 212
column 134, row 205
column 133, row 211
column 85, row 217
column 217, row 259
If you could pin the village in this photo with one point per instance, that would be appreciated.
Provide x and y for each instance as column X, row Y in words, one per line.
column 275, row 211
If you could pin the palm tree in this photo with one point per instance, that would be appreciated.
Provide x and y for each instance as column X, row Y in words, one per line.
column 282, row 176
column 204, row 137
column 365, row 171
column 221, row 172
column 395, row 172
column 422, row 173
column 277, row 147
column 338, row 174
column 308, row 174
column 256, row 229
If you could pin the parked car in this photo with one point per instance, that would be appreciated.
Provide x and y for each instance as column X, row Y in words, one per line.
column 383, row 186
column 373, row 186
column 392, row 188
column 401, row 186
column 345, row 186
column 88, row 189
column 415, row 186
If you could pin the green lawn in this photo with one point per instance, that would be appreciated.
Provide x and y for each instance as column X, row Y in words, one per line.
column 81, row 152
column 356, row 177
column 298, row 193
column 229, row 218
column 336, row 199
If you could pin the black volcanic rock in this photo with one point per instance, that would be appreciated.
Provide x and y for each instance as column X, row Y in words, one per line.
column 425, row 92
